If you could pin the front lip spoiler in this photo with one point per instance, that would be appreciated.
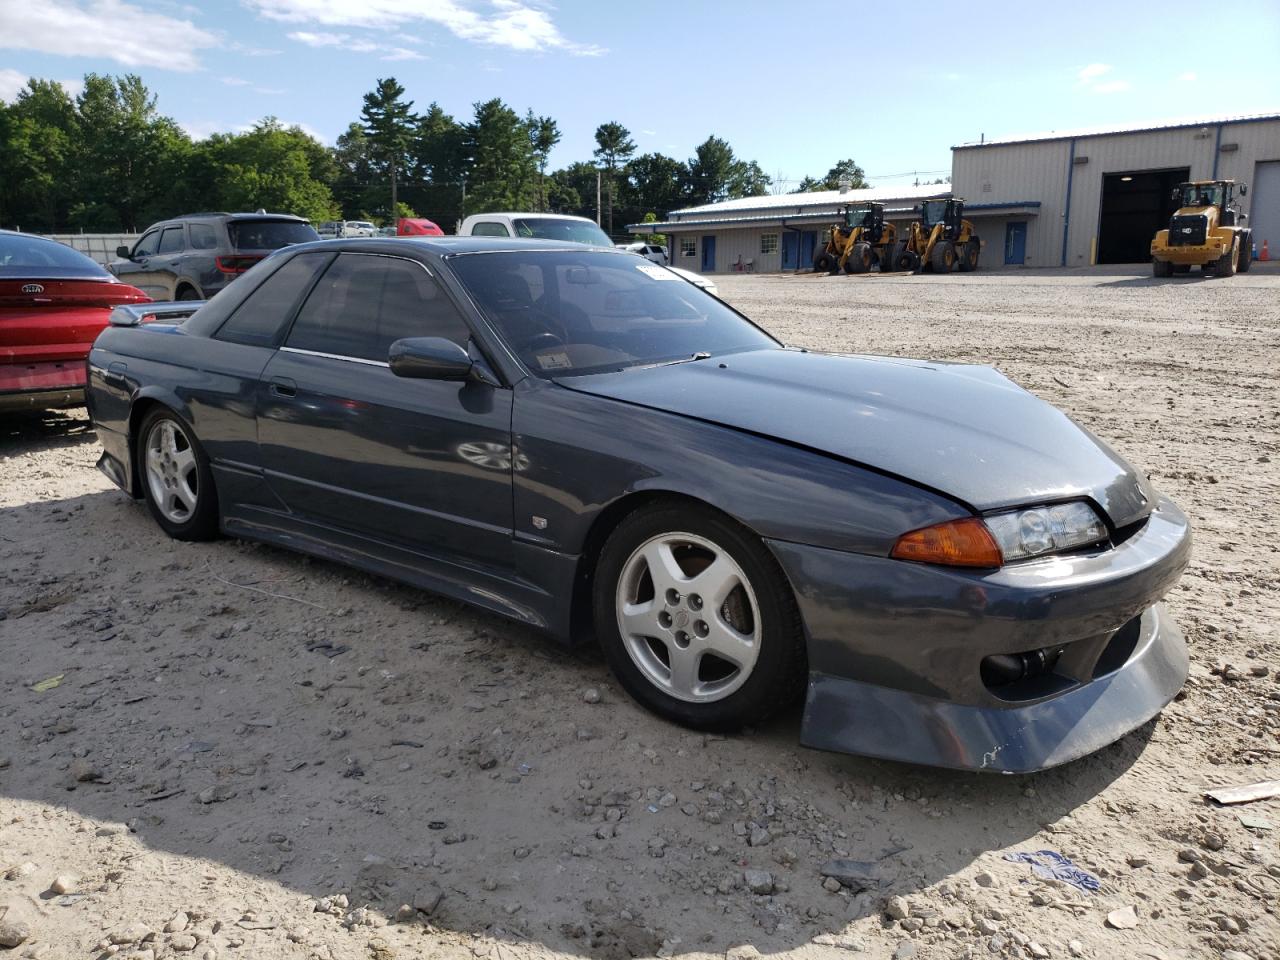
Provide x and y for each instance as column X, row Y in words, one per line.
column 849, row 716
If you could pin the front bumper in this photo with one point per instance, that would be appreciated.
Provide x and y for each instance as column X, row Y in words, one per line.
column 895, row 651
column 1191, row 254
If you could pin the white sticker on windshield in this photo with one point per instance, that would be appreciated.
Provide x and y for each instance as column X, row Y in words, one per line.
column 658, row 273
column 554, row 361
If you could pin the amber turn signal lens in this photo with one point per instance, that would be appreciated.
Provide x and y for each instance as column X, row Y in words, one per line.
column 956, row 543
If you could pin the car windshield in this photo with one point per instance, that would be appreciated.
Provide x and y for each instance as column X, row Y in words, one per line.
column 1201, row 195
column 551, row 228
column 568, row 313
column 28, row 256
column 268, row 234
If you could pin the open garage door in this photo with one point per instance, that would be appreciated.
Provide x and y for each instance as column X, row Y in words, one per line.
column 1264, row 206
column 1135, row 204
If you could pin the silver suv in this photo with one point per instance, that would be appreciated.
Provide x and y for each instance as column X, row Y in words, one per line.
column 193, row 257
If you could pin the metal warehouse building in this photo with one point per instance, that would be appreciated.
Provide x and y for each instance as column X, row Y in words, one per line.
column 1074, row 198
column 1103, row 193
column 782, row 231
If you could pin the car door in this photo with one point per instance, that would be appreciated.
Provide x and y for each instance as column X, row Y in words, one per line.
column 137, row 269
column 422, row 464
column 167, row 263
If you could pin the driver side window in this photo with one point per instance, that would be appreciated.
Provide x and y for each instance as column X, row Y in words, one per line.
column 364, row 303
column 146, row 247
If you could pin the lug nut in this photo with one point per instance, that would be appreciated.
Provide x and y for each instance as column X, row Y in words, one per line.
column 682, row 639
column 701, row 628
column 695, row 602
column 664, row 619
column 673, row 597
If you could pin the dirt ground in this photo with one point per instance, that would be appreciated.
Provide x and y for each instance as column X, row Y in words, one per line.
column 249, row 754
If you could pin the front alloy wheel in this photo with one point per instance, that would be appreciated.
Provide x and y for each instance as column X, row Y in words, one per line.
column 688, row 617
column 697, row 619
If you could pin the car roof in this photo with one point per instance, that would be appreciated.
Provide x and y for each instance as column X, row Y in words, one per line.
column 214, row 215
column 450, row 246
column 531, row 213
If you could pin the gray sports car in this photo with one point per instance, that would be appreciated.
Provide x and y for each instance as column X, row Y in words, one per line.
column 949, row 570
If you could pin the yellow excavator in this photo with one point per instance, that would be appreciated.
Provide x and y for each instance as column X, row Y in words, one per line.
column 940, row 240
column 861, row 240
column 1206, row 231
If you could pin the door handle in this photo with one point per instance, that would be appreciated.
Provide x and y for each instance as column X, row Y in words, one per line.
column 283, row 387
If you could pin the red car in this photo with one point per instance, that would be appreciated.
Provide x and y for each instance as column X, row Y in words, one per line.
column 417, row 227
column 54, row 301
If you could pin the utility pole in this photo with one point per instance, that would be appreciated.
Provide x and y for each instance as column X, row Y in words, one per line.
column 598, row 198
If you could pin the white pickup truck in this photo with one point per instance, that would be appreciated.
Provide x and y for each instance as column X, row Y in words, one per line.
column 558, row 226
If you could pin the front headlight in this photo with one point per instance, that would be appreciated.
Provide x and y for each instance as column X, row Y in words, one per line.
column 1030, row 533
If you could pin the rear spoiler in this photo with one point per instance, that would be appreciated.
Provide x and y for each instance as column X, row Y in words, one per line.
column 132, row 314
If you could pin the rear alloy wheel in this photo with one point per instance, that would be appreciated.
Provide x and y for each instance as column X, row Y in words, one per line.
column 1161, row 268
column 1226, row 264
column 1245, row 260
column 176, row 478
column 943, row 258
column 696, row 619
column 859, row 260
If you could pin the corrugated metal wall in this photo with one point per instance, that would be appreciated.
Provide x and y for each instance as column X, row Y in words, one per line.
column 1039, row 170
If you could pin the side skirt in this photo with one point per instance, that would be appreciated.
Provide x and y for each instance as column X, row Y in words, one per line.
column 544, row 605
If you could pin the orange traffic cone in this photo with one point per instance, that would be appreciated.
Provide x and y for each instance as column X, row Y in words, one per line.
column 1266, row 253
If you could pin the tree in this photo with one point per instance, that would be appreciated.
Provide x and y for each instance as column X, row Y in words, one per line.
column 711, row 170
column 353, row 178
column 502, row 167
column 748, row 180
column 38, row 135
column 653, row 183
column 389, row 124
column 573, row 190
column 271, row 167
column 614, row 146
column 129, row 159
column 439, row 155
column 845, row 170
column 544, row 134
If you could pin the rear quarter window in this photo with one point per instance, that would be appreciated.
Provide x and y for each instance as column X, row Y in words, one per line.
column 203, row 236
column 260, row 320
column 490, row 229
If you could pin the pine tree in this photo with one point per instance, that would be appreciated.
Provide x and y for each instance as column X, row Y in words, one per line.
column 614, row 147
column 389, row 124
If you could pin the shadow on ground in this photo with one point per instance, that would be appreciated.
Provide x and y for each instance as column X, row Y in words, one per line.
column 332, row 732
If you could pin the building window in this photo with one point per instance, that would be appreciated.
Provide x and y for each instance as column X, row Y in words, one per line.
column 687, row 247
column 768, row 243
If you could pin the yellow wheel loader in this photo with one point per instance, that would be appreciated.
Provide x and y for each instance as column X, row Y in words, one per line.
column 1206, row 230
column 861, row 240
column 941, row 240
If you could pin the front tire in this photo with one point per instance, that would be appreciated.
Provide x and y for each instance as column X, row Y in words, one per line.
column 943, row 258
column 824, row 262
column 1161, row 268
column 176, row 478
column 1226, row 264
column 696, row 619
column 969, row 256
column 1245, row 260
column 859, row 259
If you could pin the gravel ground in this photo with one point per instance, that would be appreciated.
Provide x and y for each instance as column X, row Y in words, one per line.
column 249, row 754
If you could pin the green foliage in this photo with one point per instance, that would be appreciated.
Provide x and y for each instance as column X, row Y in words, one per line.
column 844, row 170
column 502, row 174
column 109, row 161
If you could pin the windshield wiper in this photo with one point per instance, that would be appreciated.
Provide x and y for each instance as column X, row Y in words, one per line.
column 700, row 355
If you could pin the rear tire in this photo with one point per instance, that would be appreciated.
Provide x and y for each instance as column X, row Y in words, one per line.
column 1161, row 268
column 908, row 260
column 1245, row 260
column 969, row 256
column 756, row 620
column 943, row 258
column 823, row 262
column 187, row 293
column 1182, row 268
column 859, row 259
column 888, row 257
column 176, row 478
column 1226, row 264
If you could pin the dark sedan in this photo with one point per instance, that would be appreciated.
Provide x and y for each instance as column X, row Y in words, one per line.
column 949, row 570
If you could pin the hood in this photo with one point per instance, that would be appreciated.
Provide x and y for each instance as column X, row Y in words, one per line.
column 965, row 431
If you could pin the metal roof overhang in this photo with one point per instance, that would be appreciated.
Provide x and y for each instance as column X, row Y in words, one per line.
column 1020, row 208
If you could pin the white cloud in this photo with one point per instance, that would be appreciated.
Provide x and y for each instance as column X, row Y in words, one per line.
column 1093, row 71
column 403, row 53
column 235, row 81
column 352, row 44
column 319, row 39
column 1188, row 77
column 1112, row 86
column 113, row 29
column 13, row 82
column 649, row 133
column 203, row 129
column 514, row 24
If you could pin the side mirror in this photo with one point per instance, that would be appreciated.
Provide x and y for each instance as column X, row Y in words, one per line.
column 124, row 252
column 1244, row 189
column 1175, row 194
column 429, row 358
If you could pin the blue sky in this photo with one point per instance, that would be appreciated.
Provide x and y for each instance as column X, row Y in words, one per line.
column 893, row 88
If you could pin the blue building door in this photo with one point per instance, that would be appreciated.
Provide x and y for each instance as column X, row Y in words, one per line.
column 808, row 243
column 1015, row 241
column 790, row 250
column 708, row 254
